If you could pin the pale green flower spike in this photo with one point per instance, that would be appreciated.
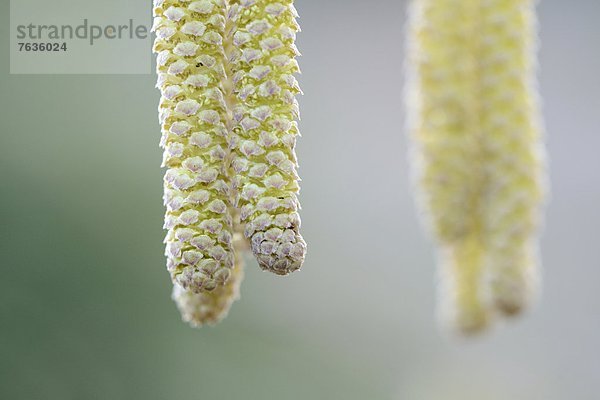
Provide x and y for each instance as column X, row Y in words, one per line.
column 193, row 115
column 478, row 154
column 199, row 309
column 227, row 111
column 262, row 55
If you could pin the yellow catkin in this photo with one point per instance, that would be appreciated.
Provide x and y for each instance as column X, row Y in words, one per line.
column 474, row 123
column 199, row 309
column 262, row 65
column 513, row 150
column 194, row 118
column 447, row 131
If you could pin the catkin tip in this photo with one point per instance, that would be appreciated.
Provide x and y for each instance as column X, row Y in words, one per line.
column 280, row 255
column 471, row 324
column 511, row 298
column 463, row 299
column 209, row 308
column 515, row 277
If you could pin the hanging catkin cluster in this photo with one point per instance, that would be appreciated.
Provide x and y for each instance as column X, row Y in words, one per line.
column 227, row 113
column 478, row 153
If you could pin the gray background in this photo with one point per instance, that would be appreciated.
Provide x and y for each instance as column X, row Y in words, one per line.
column 84, row 296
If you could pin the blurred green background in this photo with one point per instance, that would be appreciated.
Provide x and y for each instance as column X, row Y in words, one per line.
column 85, row 309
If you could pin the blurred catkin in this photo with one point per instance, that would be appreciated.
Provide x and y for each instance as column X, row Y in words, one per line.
column 513, row 151
column 262, row 55
column 475, row 125
column 193, row 115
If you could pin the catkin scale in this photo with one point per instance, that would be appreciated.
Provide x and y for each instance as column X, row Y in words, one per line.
column 193, row 116
column 262, row 64
column 477, row 154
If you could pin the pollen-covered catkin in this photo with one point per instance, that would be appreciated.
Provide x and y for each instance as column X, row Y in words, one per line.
column 199, row 309
column 478, row 151
column 446, row 128
column 513, row 149
column 193, row 117
column 262, row 54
